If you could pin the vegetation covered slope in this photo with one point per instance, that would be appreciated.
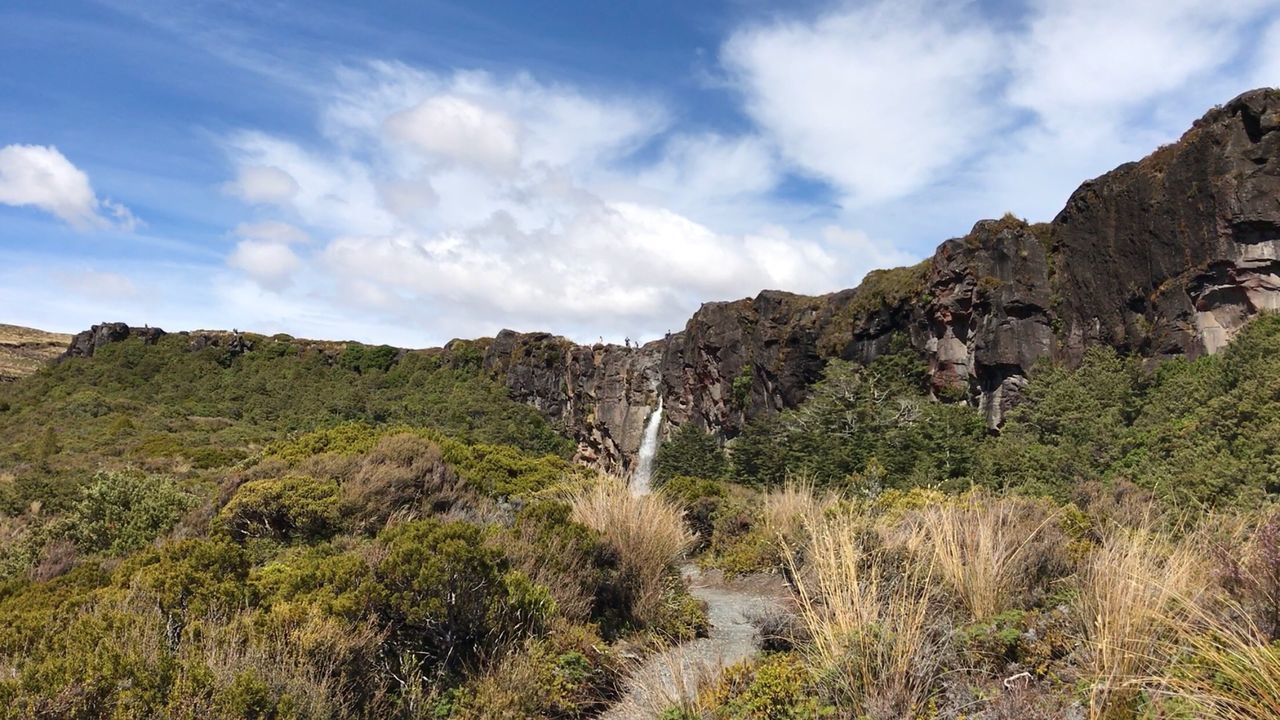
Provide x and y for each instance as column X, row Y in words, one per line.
column 306, row 530
column 309, row 530
column 1113, row 553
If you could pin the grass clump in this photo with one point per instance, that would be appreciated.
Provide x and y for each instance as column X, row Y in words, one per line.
column 647, row 532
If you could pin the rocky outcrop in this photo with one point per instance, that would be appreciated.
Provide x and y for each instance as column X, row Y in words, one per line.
column 87, row 342
column 1168, row 256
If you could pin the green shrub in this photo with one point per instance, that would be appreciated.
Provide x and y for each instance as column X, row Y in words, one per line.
column 190, row 578
column 700, row 499
column 123, row 511
column 571, row 560
column 451, row 600
column 288, row 508
column 403, row 473
column 777, row 687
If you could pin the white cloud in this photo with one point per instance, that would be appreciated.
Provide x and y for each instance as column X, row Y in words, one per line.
column 270, row 264
column 1267, row 64
column 876, row 99
column 40, row 176
column 710, row 167
column 457, row 129
column 466, row 203
column 265, row 184
column 272, row 231
column 903, row 104
column 1088, row 61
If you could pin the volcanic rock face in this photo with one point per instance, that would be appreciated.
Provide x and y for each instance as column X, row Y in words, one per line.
column 1164, row 257
column 1167, row 256
column 87, row 342
column 1172, row 254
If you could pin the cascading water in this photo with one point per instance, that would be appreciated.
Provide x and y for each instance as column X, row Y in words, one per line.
column 648, row 447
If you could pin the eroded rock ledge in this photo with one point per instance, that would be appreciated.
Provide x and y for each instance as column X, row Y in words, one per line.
column 1168, row 256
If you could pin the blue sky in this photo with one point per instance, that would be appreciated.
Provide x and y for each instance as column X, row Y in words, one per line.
column 412, row 171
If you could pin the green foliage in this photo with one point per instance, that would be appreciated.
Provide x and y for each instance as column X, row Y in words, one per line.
column 1196, row 432
column 450, row 599
column 777, row 687
column 288, row 508
column 742, row 386
column 571, row 674
column 1069, row 427
column 122, row 511
column 572, row 561
column 176, row 399
column 689, row 451
column 364, row 358
column 493, row 470
column 700, row 499
column 681, row 617
column 190, row 578
column 854, row 416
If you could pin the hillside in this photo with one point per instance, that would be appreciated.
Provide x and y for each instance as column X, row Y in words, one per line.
column 25, row 350
column 1034, row 476
column 1165, row 257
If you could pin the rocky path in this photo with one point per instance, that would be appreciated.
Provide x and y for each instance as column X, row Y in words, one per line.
column 732, row 605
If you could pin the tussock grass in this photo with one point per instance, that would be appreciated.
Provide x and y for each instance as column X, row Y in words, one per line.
column 1230, row 672
column 1135, row 591
column 869, row 614
column 648, row 532
column 981, row 547
column 787, row 511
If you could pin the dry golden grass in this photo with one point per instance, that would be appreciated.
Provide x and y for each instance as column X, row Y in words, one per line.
column 787, row 511
column 648, row 532
column 980, row 545
column 25, row 350
column 1134, row 589
column 869, row 615
column 1233, row 674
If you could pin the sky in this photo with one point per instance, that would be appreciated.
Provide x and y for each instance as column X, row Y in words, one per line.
column 411, row 171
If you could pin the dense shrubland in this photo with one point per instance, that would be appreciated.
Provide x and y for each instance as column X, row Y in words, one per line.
column 1113, row 553
column 310, row 531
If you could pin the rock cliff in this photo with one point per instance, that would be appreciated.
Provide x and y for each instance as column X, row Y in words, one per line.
column 1167, row 256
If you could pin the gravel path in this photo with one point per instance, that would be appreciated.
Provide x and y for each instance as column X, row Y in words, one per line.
column 731, row 606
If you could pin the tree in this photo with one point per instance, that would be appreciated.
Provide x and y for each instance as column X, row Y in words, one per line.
column 689, row 451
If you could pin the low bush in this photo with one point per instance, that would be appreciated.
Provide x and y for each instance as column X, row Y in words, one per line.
column 700, row 499
column 123, row 511
column 403, row 475
column 288, row 508
column 573, row 561
column 777, row 687
column 450, row 600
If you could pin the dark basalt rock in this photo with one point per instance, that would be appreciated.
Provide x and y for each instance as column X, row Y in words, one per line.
column 1168, row 256
column 1163, row 257
column 86, row 343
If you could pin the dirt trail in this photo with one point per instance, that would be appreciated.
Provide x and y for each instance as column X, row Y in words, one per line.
column 731, row 606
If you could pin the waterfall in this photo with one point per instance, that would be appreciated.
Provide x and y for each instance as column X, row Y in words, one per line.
column 648, row 447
